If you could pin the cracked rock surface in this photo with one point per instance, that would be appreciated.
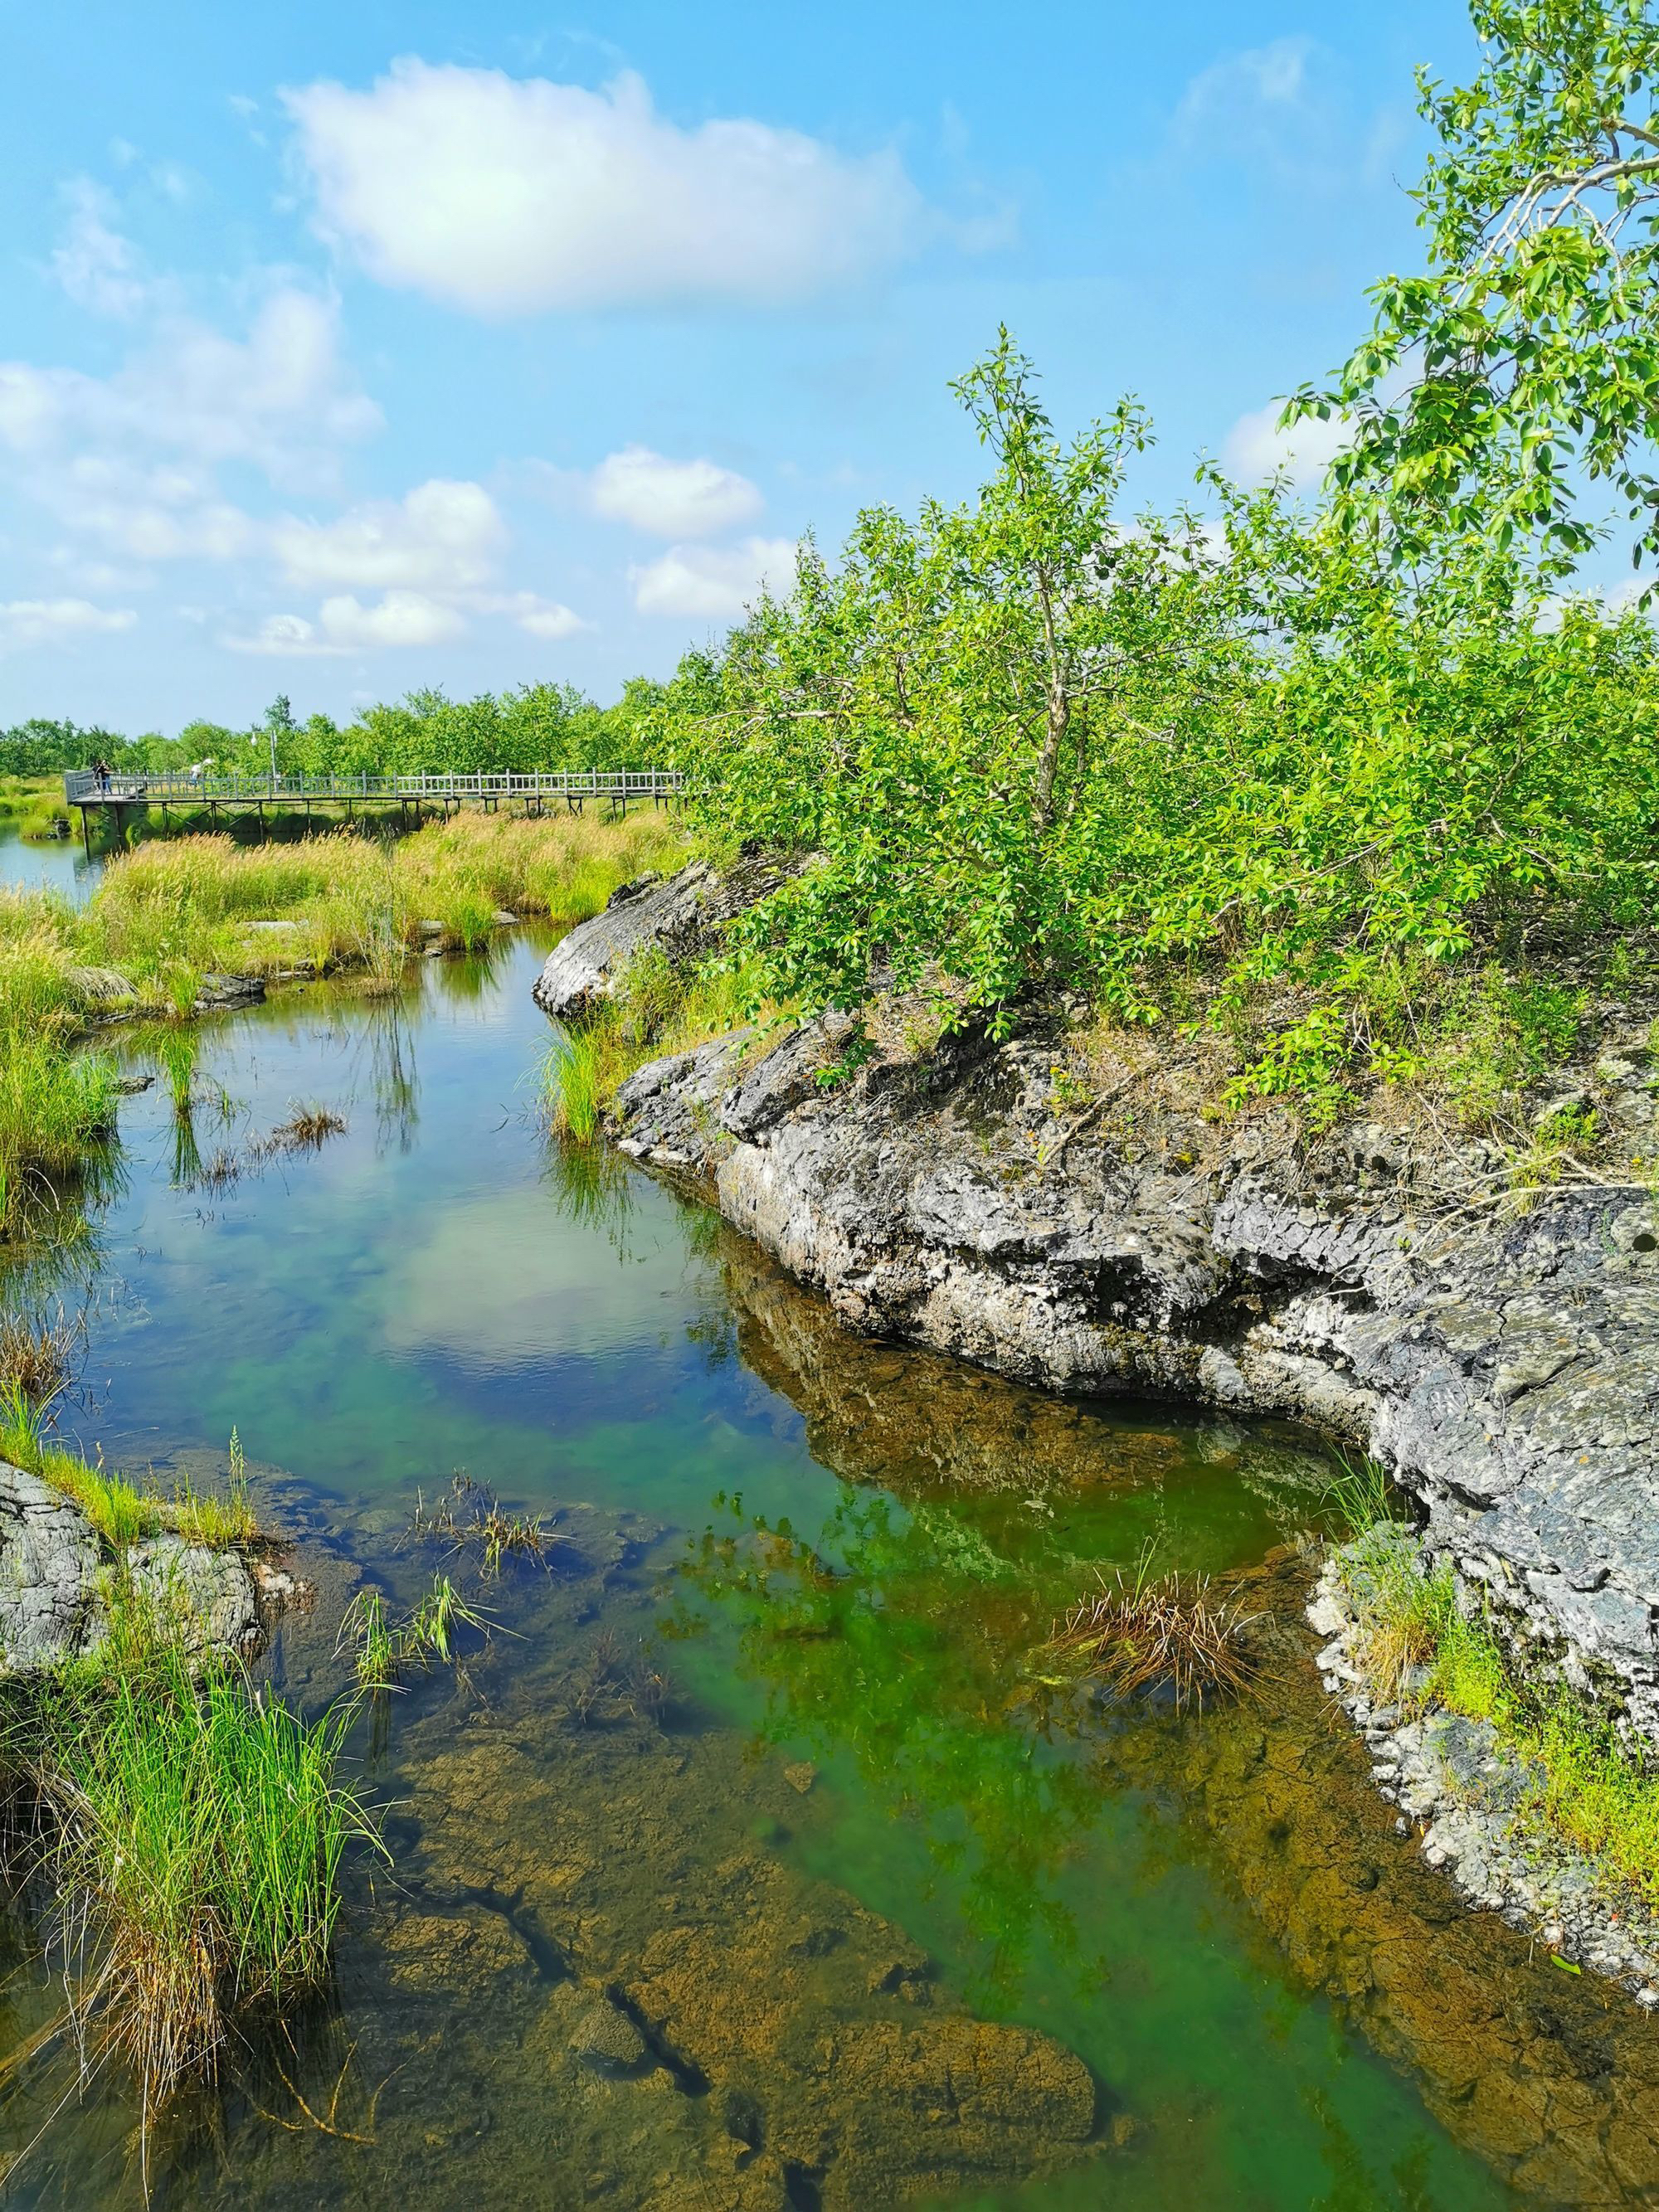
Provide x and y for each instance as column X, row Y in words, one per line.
column 678, row 914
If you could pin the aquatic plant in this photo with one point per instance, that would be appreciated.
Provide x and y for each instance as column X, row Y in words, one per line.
column 1140, row 1633
column 38, row 1351
column 383, row 1652
column 307, row 1129
column 470, row 1517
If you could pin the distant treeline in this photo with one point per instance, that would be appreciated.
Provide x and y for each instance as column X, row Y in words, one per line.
column 540, row 726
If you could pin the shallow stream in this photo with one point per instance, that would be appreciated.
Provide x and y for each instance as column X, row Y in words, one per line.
column 751, row 1862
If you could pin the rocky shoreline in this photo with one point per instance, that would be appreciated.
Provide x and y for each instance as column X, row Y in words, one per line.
column 55, row 1593
column 1466, row 1798
column 1502, row 1365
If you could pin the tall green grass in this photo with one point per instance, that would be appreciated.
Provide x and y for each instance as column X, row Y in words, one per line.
column 175, row 909
column 189, row 1827
column 196, row 1828
column 659, row 1008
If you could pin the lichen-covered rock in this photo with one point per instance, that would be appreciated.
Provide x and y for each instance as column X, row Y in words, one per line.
column 54, row 1583
column 1506, row 1369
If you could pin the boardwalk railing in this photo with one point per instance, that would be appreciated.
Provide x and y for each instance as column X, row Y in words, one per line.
column 82, row 787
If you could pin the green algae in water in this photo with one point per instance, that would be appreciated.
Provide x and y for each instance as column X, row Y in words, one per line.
column 851, row 1780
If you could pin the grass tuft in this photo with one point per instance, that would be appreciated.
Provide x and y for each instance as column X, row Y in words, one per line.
column 39, row 1353
column 1139, row 1634
column 659, row 1009
column 195, row 1833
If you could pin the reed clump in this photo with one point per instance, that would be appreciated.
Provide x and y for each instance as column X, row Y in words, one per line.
column 468, row 1517
column 56, row 1102
column 39, row 1353
column 192, row 1829
column 1139, row 1633
column 307, row 1129
column 384, row 1651
column 188, row 1827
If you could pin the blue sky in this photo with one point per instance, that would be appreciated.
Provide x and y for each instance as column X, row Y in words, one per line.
column 345, row 350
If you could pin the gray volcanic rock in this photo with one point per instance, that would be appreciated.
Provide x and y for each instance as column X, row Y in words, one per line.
column 683, row 915
column 1506, row 1370
column 54, row 1604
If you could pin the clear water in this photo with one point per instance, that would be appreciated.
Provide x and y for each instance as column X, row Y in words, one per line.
column 761, row 1766
column 55, row 866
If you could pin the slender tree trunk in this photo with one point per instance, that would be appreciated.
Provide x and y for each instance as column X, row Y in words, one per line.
column 1057, row 714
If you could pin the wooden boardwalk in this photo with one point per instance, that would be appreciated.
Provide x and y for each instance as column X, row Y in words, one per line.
column 573, row 789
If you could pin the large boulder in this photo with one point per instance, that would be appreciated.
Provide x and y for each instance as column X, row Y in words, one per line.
column 54, row 1583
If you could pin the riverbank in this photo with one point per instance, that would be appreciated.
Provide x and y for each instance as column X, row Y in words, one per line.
column 182, row 927
column 1489, row 1340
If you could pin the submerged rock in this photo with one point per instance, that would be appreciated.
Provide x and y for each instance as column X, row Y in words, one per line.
column 54, row 1599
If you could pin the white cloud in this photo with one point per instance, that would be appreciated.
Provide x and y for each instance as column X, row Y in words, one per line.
column 344, row 624
column 165, row 511
column 44, row 621
column 507, row 196
column 401, row 618
column 433, row 554
column 442, row 536
column 712, row 583
column 671, row 499
column 285, row 636
column 131, row 460
column 95, row 265
column 1255, row 446
column 1282, row 110
column 1243, row 93
column 540, row 617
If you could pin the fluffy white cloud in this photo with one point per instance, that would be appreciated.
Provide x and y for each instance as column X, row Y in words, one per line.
column 131, row 460
column 400, row 618
column 166, row 510
column 44, row 621
column 344, row 624
column 278, row 399
column 443, row 536
column 671, row 499
column 710, row 583
column 1257, row 447
column 505, row 195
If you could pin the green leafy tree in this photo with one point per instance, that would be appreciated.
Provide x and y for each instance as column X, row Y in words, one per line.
column 948, row 715
column 1526, row 358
